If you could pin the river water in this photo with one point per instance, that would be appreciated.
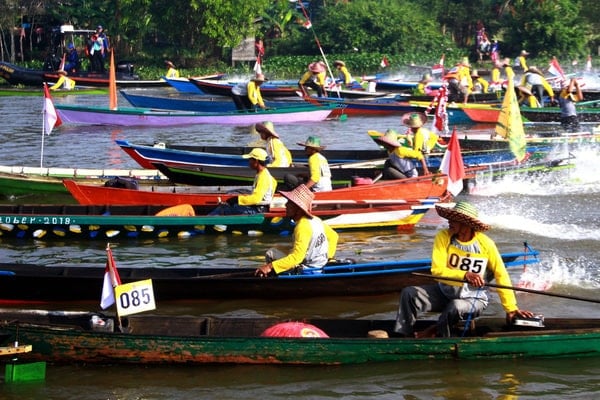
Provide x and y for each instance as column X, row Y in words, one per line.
column 557, row 216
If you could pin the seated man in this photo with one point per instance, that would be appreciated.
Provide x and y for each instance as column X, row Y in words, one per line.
column 400, row 164
column 314, row 241
column 462, row 252
column 262, row 191
column 63, row 81
column 279, row 155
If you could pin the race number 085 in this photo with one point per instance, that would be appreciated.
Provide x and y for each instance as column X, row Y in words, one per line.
column 135, row 298
column 469, row 264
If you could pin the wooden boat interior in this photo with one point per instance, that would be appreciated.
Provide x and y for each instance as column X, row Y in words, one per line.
column 208, row 326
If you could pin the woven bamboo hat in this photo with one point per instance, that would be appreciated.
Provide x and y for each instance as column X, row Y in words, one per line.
column 390, row 138
column 257, row 154
column 316, row 67
column 339, row 62
column 259, row 78
column 314, row 142
column 267, row 128
column 302, row 197
column 463, row 212
column 414, row 119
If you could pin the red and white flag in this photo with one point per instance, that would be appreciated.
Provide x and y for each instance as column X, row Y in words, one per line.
column 384, row 62
column 111, row 280
column 51, row 118
column 307, row 24
column 438, row 69
column 440, row 116
column 555, row 69
column 453, row 166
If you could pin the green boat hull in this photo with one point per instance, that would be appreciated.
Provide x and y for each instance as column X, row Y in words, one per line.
column 200, row 340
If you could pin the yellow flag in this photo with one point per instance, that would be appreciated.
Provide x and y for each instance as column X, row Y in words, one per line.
column 510, row 124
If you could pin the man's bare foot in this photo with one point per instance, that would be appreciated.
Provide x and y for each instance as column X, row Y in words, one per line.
column 429, row 332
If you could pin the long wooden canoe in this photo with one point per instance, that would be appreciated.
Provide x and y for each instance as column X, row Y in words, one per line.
column 147, row 155
column 96, row 115
column 22, row 180
column 422, row 187
column 342, row 278
column 62, row 221
column 93, row 338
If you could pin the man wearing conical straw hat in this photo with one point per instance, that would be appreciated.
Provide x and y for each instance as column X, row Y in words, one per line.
column 420, row 138
column 314, row 241
column 400, row 163
column 460, row 252
column 263, row 189
column 279, row 155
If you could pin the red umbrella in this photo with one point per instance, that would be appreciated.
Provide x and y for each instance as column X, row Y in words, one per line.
column 294, row 329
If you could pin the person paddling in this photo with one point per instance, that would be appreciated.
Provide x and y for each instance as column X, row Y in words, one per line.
column 400, row 164
column 315, row 242
column 462, row 252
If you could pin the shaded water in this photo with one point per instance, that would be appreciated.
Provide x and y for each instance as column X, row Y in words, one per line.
column 558, row 218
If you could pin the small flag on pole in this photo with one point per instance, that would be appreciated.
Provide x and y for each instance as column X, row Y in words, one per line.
column 111, row 280
column 453, row 166
column 440, row 116
column 51, row 118
column 438, row 69
column 555, row 69
column 384, row 62
column 307, row 24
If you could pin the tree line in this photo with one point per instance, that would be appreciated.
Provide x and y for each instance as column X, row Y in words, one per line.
column 196, row 33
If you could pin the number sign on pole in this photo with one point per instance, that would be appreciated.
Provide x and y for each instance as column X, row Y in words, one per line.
column 134, row 297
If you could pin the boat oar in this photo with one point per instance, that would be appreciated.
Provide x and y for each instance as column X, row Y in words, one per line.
column 494, row 285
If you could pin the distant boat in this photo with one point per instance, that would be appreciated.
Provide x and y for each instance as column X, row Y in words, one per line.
column 98, row 115
column 196, row 103
column 16, row 75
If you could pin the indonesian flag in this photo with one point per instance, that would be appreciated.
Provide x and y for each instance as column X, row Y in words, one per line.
column 440, row 116
column 307, row 24
column 453, row 166
column 438, row 69
column 51, row 118
column 384, row 62
column 555, row 69
column 588, row 64
column 111, row 280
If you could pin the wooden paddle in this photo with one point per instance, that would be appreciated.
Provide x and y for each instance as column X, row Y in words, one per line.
column 564, row 296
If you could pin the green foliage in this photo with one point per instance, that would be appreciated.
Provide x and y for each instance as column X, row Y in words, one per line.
column 546, row 28
column 198, row 34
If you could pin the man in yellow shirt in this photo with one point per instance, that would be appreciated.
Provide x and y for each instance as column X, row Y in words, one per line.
column 278, row 154
column 400, row 163
column 172, row 72
column 320, row 174
column 314, row 79
column 263, row 189
column 464, row 252
column 63, row 81
column 344, row 77
column 421, row 138
column 315, row 242
column 247, row 96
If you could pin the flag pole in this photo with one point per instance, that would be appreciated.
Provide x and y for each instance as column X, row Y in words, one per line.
column 318, row 44
column 44, row 111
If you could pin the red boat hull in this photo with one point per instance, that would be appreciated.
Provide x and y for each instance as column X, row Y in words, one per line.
column 405, row 189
